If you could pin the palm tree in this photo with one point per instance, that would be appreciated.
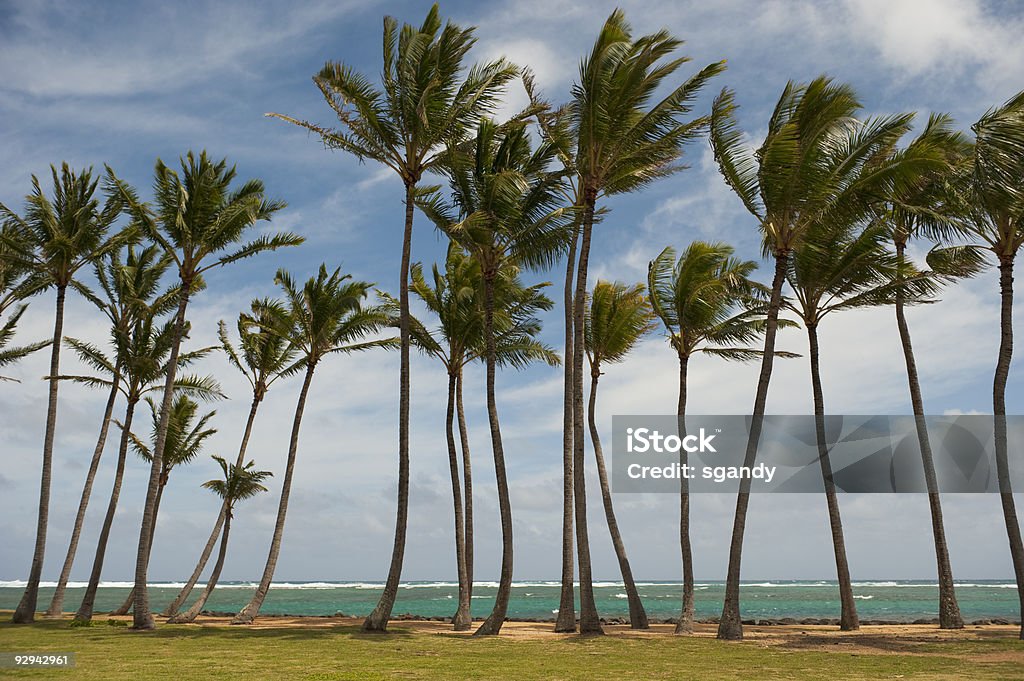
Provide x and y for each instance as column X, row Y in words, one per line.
column 321, row 317
column 504, row 210
column 811, row 167
column 58, row 238
column 617, row 318
column 620, row 144
column 8, row 355
column 199, row 220
column 263, row 358
column 16, row 284
column 239, row 483
column 126, row 285
column 707, row 304
column 423, row 104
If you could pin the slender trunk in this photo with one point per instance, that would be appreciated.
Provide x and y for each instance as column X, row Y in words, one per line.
column 637, row 614
column 467, row 478
column 492, row 625
column 848, row 618
column 57, row 602
column 143, row 619
column 949, row 609
column 565, row 622
column 999, row 410
column 84, row 613
column 183, row 595
column 461, row 620
column 26, row 611
column 249, row 612
column 378, row 619
column 589, row 620
column 129, row 602
column 197, row 607
column 685, row 623
column 730, row 626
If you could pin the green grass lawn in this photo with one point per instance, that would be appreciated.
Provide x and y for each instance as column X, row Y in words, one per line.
column 341, row 652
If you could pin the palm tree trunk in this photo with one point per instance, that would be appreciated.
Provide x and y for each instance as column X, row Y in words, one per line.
column 565, row 622
column 730, row 626
column 26, row 610
column 590, row 623
column 57, row 602
column 182, row 596
column 378, row 619
column 492, row 625
column 129, row 602
column 467, row 478
column 949, row 609
column 461, row 621
column 848, row 618
column 197, row 607
column 685, row 623
column 637, row 614
column 84, row 613
column 249, row 612
column 999, row 409
column 143, row 618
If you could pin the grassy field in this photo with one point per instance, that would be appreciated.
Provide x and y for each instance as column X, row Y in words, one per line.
column 427, row 651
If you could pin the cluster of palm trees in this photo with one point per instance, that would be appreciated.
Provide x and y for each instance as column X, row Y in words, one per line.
column 837, row 197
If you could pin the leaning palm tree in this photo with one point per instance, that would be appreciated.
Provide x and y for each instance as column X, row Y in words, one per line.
column 617, row 318
column 619, row 143
column 708, row 304
column 199, row 220
column 58, row 238
column 323, row 316
column 263, row 358
column 424, row 104
column 810, row 167
column 505, row 210
column 239, row 483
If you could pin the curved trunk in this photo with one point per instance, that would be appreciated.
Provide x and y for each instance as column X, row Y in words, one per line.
column 492, row 625
column 949, row 609
column 461, row 621
column 129, row 602
column 730, row 626
column 84, row 613
column 378, row 619
column 26, row 610
column 848, row 618
column 182, row 596
column 565, row 622
column 249, row 612
column 197, row 607
column 685, row 623
column 467, row 478
column 143, row 619
column 637, row 614
column 57, row 602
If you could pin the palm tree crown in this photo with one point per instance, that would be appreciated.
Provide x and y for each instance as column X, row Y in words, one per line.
column 239, row 482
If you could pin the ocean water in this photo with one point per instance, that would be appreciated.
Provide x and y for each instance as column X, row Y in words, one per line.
column 898, row 600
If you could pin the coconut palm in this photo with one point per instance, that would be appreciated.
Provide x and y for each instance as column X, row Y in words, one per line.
column 263, row 358
column 423, row 104
column 200, row 221
column 239, row 483
column 707, row 304
column 323, row 316
column 58, row 237
column 818, row 163
column 617, row 318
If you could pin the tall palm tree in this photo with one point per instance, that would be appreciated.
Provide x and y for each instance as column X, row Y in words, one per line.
column 239, row 483
column 617, row 318
column 200, row 221
column 996, row 220
column 707, row 304
column 323, row 316
column 620, row 143
column 423, row 104
column 60, row 236
column 263, row 358
column 505, row 211
column 811, row 167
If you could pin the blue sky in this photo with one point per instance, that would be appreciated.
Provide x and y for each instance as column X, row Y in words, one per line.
column 124, row 83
